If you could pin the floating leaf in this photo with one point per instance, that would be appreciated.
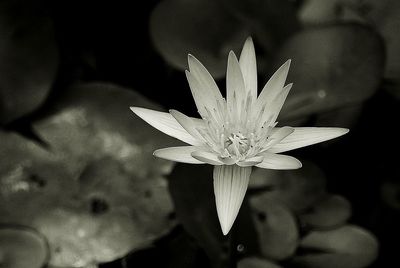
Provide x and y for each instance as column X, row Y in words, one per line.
column 298, row 189
column 77, row 238
column 332, row 66
column 264, row 18
column 314, row 12
column 28, row 58
column 254, row 262
column 346, row 247
column 31, row 179
column 332, row 211
column 200, row 27
column 385, row 17
column 22, row 247
column 99, row 177
column 276, row 227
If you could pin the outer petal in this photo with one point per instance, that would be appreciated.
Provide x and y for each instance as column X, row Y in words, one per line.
column 279, row 161
column 207, row 157
column 187, row 123
column 273, row 87
column 304, row 136
column 277, row 136
column 274, row 107
column 248, row 65
column 166, row 123
column 230, row 185
column 206, row 81
column 182, row 154
column 205, row 91
column 249, row 162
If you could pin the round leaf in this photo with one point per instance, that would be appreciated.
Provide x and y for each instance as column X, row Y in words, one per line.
column 28, row 58
column 298, row 189
column 329, row 212
column 276, row 227
column 200, row 27
column 22, row 247
column 346, row 247
column 332, row 66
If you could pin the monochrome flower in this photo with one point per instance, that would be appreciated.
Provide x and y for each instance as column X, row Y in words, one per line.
column 237, row 133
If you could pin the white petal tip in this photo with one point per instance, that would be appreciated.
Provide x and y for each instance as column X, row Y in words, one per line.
column 225, row 231
column 345, row 131
column 249, row 40
column 133, row 108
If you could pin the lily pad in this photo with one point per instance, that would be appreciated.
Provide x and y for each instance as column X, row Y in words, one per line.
column 297, row 189
column 264, row 19
column 78, row 239
column 385, row 17
column 332, row 66
column 254, row 262
column 22, row 247
column 346, row 247
column 31, row 179
column 199, row 27
column 314, row 12
column 28, row 58
column 332, row 211
column 97, row 192
column 276, row 227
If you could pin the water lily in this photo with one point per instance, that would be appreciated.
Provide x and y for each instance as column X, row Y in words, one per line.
column 237, row 133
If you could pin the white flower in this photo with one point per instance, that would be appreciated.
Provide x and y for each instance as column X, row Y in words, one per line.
column 237, row 133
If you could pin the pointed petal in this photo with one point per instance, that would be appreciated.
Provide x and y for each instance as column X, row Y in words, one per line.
column 304, row 136
column 166, row 123
column 273, row 87
column 272, row 111
column 187, row 123
column 252, row 161
column 207, row 157
column 201, row 99
column 248, row 65
column 182, row 154
column 230, row 185
column 206, row 81
column 235, row 88
column 277, row 136
column 279, row 161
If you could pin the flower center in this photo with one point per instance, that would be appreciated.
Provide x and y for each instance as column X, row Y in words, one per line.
column 237, row 144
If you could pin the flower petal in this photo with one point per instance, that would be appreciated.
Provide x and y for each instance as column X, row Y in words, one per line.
column 230, row 185
column 235, row 87
column 248, row 65
column 274, row 107
column 205, row 91
column 273, row 87
column 206, row 81
column 252, row 161
column 182, row 154
column 304, row 136
column 166, row 123
column 207, row 157
column 279, row 161
column 187, row 123
column 277, row 136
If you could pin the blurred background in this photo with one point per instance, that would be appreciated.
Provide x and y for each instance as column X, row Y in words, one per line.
column 79, row 186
